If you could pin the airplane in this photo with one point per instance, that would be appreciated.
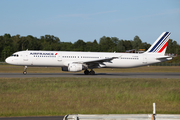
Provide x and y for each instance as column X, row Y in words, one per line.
column 78, row 61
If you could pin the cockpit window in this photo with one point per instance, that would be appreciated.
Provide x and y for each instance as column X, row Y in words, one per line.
column 15, row 55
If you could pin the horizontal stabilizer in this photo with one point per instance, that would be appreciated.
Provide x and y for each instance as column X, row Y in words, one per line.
column 163, row 57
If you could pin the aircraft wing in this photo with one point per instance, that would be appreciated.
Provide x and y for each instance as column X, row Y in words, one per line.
column 96, row 61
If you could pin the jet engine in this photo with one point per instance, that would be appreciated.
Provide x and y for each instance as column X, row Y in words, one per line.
column 73, row 67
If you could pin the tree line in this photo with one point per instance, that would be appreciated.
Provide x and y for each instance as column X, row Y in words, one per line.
column 10, row 44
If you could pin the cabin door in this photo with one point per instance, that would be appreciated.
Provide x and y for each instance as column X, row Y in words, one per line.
column 144, row 59
column 59, row 57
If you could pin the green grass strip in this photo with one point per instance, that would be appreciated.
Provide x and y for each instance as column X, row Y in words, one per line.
column 61, row 96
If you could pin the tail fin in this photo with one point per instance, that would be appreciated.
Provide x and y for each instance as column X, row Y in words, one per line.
column 160, row 45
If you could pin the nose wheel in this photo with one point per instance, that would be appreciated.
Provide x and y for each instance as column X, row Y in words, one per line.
column 25, row 72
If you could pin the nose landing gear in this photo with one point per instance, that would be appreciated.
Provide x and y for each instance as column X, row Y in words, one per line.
column 24, row 72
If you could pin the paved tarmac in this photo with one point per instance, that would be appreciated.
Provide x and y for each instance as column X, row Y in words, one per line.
column 34, row 118
column 97, row 75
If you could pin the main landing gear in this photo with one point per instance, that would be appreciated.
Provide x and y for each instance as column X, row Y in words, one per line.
column 87, row 72
column 25, row 67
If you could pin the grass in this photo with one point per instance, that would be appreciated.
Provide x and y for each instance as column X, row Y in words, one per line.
column 61, row 96
column 20, row 69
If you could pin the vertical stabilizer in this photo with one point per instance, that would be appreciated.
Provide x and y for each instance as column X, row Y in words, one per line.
column 160, row 45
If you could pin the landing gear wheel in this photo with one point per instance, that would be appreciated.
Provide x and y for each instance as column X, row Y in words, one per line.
column 24, row 72
column 92, row 72
column 86, row 72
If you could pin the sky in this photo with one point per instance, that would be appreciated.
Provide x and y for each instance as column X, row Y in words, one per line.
column 71, row 20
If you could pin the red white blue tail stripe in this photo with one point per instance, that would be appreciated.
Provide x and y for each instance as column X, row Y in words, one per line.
column 160, row 44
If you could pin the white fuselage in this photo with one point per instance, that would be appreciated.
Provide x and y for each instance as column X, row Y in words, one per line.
column 77, row 61
column 63, row 58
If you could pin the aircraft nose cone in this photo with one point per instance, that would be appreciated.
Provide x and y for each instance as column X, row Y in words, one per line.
column 7, row 60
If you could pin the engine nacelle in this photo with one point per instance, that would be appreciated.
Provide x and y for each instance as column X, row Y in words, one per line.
column 102, row 65
column 73, row 67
